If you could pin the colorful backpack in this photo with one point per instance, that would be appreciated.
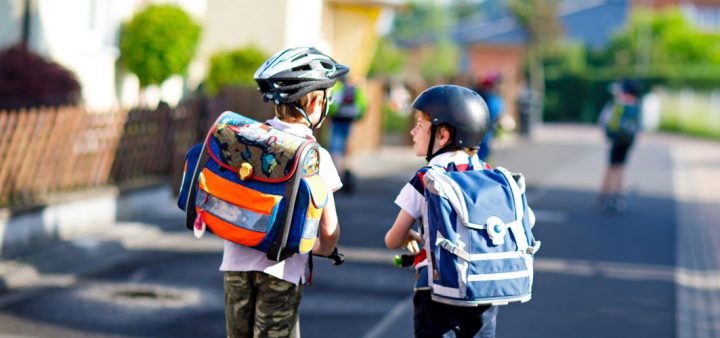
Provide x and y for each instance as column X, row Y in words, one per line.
column 255, row 186
column 481, row 247
column 624, row 122
column 350, row 103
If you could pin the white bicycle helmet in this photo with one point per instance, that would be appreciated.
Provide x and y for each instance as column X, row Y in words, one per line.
column 294, row 72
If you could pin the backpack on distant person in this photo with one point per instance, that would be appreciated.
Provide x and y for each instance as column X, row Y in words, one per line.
column 348, row 108
column 481, row 247
column 254, row 185
column 624, row 122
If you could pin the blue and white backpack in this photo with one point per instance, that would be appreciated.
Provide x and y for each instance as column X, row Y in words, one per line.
column 481, row 247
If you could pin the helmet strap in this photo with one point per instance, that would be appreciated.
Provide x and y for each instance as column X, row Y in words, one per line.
column 429, row 154
column 304, row 115
column 444, row 149
column 323, row 114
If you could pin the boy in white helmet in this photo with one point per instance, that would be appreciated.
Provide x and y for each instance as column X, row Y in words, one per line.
column 262, row 296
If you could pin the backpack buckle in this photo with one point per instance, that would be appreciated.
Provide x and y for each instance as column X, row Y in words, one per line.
column 496, row 230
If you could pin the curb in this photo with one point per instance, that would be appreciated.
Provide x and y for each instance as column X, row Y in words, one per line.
column 23, row 232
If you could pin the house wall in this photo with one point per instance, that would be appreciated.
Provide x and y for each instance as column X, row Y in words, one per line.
column 354, row 36
column 10, row 22
column 506, row 59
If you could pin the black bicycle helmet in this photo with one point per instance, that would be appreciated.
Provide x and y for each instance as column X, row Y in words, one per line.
column 461, row 108
column 632, row 87
column 294, row 72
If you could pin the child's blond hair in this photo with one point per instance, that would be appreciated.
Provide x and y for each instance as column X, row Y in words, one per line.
column 419, row 114
column 288, row 112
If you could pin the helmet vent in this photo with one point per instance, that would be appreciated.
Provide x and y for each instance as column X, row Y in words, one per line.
column 299, row 57
column 301, row 68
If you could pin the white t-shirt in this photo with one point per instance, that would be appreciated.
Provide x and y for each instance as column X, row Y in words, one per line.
column 240, row 258
column 411, row 197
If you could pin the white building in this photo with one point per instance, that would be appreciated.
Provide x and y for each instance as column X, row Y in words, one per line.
column 82, row 35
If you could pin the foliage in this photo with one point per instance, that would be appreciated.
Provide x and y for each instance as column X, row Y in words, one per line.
column 540, row 20
column 158, row 42
column 233, row 68
column 424, row 25
column 393, row 121
column 440, row 61
column 388, row 59
column 28, row 80
column 566, row 57
column 674, row 45
column 679, row 56
column 420, row 21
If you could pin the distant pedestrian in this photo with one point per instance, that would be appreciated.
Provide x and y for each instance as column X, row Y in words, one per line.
column 621, row 120
column 489, row 89
column 348, row 107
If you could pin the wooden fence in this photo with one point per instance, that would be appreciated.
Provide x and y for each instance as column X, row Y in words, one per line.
column 54, row 149
column 49, row 150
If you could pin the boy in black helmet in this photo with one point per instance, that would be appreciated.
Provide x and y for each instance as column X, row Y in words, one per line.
column 451, row 122
column 262, row 296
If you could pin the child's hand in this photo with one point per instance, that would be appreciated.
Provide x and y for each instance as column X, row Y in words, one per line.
column 411, row 242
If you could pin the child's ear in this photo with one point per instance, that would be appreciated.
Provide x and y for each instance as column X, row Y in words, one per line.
column 444, row 136
column 317, row 102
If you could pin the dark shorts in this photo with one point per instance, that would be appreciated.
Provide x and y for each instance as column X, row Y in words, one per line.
column 619, row 151
column 437, row 320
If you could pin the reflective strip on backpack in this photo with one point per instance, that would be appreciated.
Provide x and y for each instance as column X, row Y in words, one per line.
column 498, row 276
column 455, row 250
column 446, row 291
column 232, row 214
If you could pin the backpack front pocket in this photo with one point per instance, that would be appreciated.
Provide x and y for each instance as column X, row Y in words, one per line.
column 234, row 212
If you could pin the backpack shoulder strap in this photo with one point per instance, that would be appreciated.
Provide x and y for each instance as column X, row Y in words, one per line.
column 516, row 227
column 436, row 182
column 190, row 212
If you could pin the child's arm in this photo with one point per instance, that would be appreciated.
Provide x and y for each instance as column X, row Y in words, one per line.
column 401, row 234
column 329, row 231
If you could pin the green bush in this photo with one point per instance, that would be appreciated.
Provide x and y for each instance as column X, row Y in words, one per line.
column 233, row 68
column 393, row 121
column 158, row 42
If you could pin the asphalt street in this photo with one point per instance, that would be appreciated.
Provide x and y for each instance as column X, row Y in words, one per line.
column 651, row 271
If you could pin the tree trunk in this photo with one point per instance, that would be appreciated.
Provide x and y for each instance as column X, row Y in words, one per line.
column 537, row 85
column 27, row 10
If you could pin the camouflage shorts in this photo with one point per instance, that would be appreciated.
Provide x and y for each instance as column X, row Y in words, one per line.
column 259, row 305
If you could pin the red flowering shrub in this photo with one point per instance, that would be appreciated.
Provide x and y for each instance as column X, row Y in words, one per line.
column 28, row 80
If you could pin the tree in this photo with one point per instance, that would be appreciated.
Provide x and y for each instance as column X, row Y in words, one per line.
column 663, row 42
column 539, row 19
column 158, row 42
column 233, row 68
column 425, row 23
column 388, row 59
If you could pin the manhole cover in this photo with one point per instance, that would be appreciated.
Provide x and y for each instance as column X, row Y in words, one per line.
column 145, row 294
column 142, row 295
